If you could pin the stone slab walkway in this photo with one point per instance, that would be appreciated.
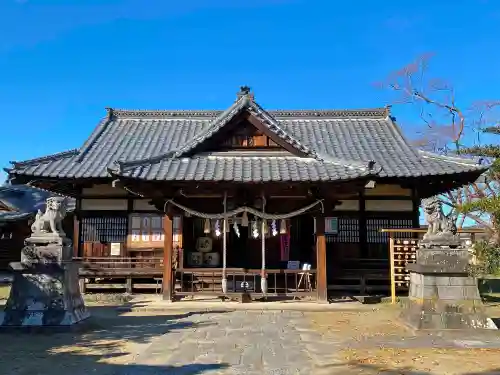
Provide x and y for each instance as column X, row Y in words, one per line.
column 237, row 342
column 264, row 342
column 223, row 343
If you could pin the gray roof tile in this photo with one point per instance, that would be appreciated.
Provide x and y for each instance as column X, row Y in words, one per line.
column 244, row 169
column 26, row 201
column 150, row 144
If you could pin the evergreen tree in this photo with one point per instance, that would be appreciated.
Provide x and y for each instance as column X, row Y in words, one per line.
column 487, row 197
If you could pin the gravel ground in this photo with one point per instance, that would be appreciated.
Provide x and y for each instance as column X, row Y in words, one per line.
column 376, row 342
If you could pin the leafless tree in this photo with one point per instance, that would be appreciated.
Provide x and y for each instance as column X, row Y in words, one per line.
column 442, row 127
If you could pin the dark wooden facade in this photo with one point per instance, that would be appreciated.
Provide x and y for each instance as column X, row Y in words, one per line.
column 105, row 216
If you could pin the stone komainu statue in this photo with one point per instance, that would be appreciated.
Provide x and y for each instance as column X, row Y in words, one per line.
column 438, row 223
column 50, row 221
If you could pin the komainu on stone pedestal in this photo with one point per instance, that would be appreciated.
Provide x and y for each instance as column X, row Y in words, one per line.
column 441, row 229
column 45, row 289
column 443, row 295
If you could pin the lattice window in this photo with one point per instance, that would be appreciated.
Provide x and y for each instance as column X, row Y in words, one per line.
column 348, row 231
column 374, row 225
column 103, row 229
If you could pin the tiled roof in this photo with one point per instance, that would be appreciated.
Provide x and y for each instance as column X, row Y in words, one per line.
column 6, row 216
column 245, row 103
column 244, row 169
column 337, row 145
column 25, row 201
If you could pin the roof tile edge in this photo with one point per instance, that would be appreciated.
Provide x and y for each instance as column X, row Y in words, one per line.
column 46, row 158
column 309, row 113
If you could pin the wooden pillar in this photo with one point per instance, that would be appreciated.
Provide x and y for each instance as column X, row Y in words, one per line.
column 167, row 258
column 83, row 285
column 363, row 241
column 77, row 229
column 76, row 235
column 392, row 269
column 263, row 276
column 416, row 208
column 128, row 285
column 321, row 281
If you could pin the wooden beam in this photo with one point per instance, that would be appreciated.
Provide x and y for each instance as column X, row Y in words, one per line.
column 321, row 280
column 279, row 141
column 167, row 259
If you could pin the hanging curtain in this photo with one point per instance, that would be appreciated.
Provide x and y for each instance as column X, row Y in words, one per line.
column 285, row 245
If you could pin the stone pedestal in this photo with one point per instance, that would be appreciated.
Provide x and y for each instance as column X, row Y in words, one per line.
column 442, row 293
column 45, row 289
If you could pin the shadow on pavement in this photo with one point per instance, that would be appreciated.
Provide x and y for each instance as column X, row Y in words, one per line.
column 109, row 344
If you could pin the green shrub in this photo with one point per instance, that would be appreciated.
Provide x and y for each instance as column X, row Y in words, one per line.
column 487, row 259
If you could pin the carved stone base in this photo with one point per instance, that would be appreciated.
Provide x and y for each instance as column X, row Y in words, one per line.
column 443, row 295
column 442, row 239
column 439, row 315
column 45, row 295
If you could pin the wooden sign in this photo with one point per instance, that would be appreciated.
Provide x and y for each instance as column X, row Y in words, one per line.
column 145, row 230
column 331, row 225
column 116, row 249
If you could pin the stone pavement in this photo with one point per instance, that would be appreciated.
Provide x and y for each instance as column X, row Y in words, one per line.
column 237, row 342
column 264, row 342
column 251, row 342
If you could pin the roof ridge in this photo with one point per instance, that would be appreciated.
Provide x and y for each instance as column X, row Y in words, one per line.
column 379, row 112
column 451, row 159
column 286, row 154
column 273, row 125
column 244, row 102
column 123, row 166
column 215, row 125
column 95, row 135
column 42, row 159
column 399, row 133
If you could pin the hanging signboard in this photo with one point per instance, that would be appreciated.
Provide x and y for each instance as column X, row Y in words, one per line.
column 115, row 249
column 145, row 231
column 331, row 225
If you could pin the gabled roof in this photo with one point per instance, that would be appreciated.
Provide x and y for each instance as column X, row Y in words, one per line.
column 245, row 103
column 157, row 145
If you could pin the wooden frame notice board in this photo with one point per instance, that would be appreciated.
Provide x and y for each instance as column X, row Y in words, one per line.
column 145, row 231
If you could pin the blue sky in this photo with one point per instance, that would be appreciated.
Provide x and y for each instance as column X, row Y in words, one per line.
column 63, row 62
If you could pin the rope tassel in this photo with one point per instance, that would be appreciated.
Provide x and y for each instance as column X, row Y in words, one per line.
column 206, row 227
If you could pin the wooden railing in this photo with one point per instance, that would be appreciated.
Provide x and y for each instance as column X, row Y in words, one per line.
column 283, row 282
column 192, row 281
column 127, row 273
column 108, row 266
